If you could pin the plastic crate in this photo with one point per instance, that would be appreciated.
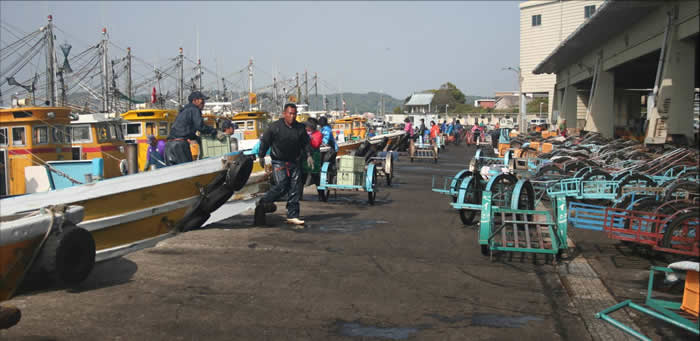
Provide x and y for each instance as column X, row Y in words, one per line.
column 691, row 294
column 349, row 163
column 351, row 178
column 212, row 147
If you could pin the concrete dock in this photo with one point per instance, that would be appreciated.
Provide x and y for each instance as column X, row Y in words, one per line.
column 405, row 268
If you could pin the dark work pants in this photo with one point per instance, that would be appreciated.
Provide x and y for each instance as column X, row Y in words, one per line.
column 177, row 151
column 287, row 176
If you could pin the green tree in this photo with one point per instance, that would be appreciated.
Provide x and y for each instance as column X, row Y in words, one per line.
column 397, row 110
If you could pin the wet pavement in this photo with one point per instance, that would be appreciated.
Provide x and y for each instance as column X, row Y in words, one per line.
column 403, row 269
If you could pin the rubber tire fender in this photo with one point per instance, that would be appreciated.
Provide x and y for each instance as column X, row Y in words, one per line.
column 683, row 184
column 238, row 173
column 68, row 256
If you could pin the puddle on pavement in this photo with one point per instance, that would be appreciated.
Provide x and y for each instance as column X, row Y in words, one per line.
column 501, row 321
column 447, row 319
column 347, row 226
column 355, row 329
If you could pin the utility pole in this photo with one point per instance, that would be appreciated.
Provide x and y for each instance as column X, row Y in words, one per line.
column 50, row 64
column 298, row 89
column 306, row 88
column 105, row 73
column 181, row 80
column 274, row 91
column 250, row 82
column 129, row 90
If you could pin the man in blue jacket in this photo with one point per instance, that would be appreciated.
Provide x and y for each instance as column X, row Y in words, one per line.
column 188, row 122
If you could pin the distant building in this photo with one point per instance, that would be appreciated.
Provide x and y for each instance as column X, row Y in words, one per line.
column 543, row 25
column 419, row 103
column 486, row 103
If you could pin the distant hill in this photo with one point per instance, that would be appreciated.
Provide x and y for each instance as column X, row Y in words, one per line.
column 356, row 103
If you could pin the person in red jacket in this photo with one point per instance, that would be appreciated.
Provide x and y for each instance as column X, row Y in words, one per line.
column 434, row 131
column 312, row 174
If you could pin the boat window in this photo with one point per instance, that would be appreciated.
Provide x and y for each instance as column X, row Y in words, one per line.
column 150, row 128
column 102, row 133
column 112, row 132
column 41, row 135
column 133, row 129
column 249, row 125
column 81, row 134
column 22, row 114
column 262, row 125
column 163, row 128
column 3, row 136
column 118, row 130
column 18, row 136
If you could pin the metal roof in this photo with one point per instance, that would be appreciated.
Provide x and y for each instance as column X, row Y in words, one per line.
column 613, row 17
column 420, row 99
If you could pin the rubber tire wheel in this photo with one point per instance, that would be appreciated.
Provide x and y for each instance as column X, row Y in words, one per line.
column 371, row 196
column 195, row 222
column 676, row 224
column 323, row 195
column 215, row 199
column 68, row 257
column 467, row 216
column 388, row 180
column 485, row 250
column 692, row 186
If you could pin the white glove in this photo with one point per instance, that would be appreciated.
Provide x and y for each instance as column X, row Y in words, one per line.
column 310, row 162
column 221, row 136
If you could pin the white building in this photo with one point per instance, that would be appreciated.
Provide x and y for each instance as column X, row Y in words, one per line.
column 543, row 25
column 419, row 103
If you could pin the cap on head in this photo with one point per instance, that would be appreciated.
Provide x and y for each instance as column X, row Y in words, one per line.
column 225, row 124
column 311, row 122
column 195, row 95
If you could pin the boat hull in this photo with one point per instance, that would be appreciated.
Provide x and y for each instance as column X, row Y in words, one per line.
column 132, row 212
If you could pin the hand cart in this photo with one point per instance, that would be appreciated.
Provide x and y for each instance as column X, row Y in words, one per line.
column 328, row 181
column 420, row 150
column 384, row 166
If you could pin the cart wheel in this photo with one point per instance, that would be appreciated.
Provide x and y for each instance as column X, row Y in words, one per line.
column 373, row 194
column 322, row 195
column 485, row 250
column 388, row 180
column 467, row 216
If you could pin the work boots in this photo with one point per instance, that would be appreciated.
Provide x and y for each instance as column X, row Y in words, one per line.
column 262, row 208
column 9, row 316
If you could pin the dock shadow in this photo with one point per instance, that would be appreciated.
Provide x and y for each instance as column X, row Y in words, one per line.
column 105, row 274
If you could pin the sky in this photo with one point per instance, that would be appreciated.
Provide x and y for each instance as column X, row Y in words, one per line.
column 396, row 47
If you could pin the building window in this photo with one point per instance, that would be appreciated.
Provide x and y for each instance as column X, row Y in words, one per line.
column 588, row 11
column 132, row 129
column 537, row 20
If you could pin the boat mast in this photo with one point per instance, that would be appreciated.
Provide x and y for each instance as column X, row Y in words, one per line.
column 315, row 86
column 181, row 80
column 199, row 74
column 298, row 89
column 250, row 83
column 50, row 64
column 128, row 78
column 105, row 73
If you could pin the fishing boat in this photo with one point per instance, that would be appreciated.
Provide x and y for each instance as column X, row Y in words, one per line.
column 100, row 135
column 30, row 135
column 352, row 127
column 140, row 123
column 251, row 124
column 44, row 240
column 132, row 212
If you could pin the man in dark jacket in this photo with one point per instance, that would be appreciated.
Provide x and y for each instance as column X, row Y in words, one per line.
column 188, row 122
column 286, row 138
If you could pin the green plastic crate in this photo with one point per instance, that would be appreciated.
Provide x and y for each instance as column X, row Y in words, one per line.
column 351, row 178
column 349, row 163
column 212, row 147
